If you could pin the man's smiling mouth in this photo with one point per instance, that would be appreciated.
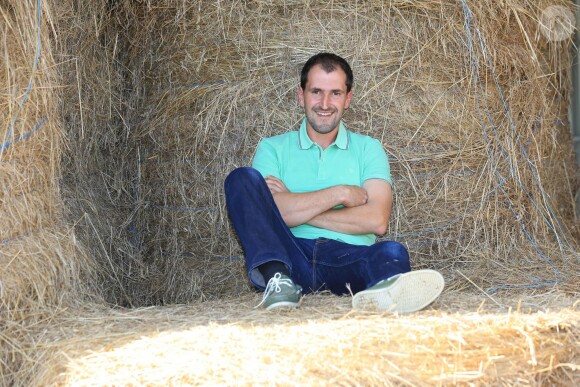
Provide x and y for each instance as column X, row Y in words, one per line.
column 324, row 114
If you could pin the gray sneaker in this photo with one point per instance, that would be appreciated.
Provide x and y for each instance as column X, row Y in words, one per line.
column 281, row 292
column 403, row 293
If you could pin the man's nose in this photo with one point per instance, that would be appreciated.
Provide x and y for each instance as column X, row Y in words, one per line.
column 324, row 103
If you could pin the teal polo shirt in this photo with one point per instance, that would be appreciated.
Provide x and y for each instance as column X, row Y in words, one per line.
column 304, row 166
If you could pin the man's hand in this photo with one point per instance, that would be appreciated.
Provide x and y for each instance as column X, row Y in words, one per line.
column 301, row 208
column 370, row 217
column 351, row 195
column 354, row 196
column 275, row 185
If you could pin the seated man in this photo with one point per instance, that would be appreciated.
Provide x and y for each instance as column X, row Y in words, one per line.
column 308, row 211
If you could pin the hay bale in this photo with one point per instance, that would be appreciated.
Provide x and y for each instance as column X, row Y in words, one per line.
column 42, row 267
column 323, row 342
column 39, row 260
column 160, row 101
column 214, row 81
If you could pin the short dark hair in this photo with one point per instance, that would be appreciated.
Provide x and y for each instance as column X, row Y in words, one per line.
column 328, row 61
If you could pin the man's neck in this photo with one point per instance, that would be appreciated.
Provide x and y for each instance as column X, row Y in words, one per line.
column 323, row 140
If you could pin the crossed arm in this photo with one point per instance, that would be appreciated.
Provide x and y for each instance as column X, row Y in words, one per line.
column 366, row 209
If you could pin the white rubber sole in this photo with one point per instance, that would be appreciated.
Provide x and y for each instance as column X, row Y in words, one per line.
column 284, row 304
column 409, row 293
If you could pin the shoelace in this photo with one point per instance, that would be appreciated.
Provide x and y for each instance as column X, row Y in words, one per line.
column 274, row 286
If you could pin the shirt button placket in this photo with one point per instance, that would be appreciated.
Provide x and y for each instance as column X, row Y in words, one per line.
column 321, row 165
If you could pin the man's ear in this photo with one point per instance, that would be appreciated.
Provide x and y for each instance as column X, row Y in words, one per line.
column 348, row 99
column 300, row 96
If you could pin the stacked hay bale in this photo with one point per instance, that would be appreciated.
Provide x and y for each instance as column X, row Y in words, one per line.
column 42, row 267
column 160, row 101
column 98, row 109
column 468, row 107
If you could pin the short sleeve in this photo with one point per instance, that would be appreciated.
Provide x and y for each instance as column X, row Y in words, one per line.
column 376, row 162
column 266, row 159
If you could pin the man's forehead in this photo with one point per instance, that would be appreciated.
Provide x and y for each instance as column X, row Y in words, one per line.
column 318, row 77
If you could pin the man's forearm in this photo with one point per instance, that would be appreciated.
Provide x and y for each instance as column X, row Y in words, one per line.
column 300, row 208
column 369, row 218
column 355, row 220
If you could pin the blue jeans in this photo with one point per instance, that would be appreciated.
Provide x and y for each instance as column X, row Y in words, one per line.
column 315, row 264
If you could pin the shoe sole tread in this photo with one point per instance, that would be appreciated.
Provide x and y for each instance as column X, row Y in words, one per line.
column 283, row 304
column 411, row 292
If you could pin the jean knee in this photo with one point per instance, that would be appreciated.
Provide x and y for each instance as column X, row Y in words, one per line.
column 395, row 252
column 242, row 174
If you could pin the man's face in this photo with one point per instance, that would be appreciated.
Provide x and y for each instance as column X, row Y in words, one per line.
column 324, row 99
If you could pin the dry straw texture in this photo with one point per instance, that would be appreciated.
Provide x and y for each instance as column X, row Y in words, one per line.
column 121, row 119
column 322, row 343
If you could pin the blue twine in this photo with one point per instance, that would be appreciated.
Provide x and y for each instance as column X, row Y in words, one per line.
column 190, row 86
column 428, row 175
column 419, row 147
column 24, row 136
column 16, row 238
column 135, row 237
column 221, row 257
column 418, row 160
column 205, row 257
column 7, row 241
column 431, row 242
column 25, row 97
column 178, row 208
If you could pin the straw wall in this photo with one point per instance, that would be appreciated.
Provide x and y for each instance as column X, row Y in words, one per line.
column 41, row 265
column 121, row 119
column 157, row 101
column 474, row 121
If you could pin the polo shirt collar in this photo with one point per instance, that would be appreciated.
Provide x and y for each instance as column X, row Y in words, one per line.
column 305, row 142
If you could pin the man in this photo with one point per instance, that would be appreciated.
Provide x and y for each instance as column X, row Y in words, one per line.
column 308, row 211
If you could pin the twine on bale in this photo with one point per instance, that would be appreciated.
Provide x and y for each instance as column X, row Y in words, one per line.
column 28, row 88
column 23, row 137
